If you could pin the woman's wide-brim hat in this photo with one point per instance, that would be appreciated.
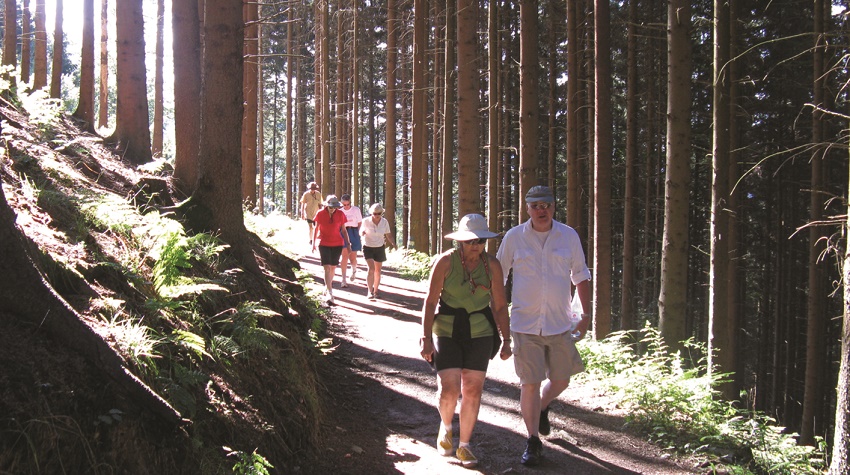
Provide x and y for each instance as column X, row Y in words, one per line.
column 472, row 226
column 332, row 202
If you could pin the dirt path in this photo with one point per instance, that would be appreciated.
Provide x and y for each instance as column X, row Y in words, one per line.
column 384, row 418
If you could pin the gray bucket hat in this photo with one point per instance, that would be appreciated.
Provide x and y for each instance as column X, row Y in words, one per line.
column 332, row 202
column 471, row 226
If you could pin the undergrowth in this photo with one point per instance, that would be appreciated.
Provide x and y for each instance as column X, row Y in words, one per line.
column 673, row 399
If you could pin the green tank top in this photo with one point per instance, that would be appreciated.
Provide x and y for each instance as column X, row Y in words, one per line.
column 458, row 293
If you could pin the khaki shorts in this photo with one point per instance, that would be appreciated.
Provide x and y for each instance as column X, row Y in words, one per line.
column 552, row 357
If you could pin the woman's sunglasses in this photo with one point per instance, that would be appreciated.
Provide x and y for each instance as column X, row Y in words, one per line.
column 475, row 241
column 540, row 205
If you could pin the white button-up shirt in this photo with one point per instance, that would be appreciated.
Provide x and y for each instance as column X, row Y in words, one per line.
column 540, row 296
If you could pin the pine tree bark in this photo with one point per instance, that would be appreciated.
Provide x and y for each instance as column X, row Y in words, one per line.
column 840, row 463
column 603, row 148
column 158, row 82
column 418, row 157
column 468, row 103
column 40, row 61
column 10, row 35
column 721, row 332
column 26, row 41
column 250, row 92
column 289, row 193
column 573, row 109
column 58, row 53
column 816, row 322
column 103, row 91
column 185, row 21
column 132, row 135
column 529, row 114
column 216, row 204
column 326, row 183
column 493, row 71
column 627, row 282
column 390, row 189
column 672, row 301
column 85, row 106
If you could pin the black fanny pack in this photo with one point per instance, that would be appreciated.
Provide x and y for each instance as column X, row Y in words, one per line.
column 461, row 328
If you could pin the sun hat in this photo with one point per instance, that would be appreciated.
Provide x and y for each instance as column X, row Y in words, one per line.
column 345, row 197
column 471, row 226
column 313, row 185
column 539, row 193
column 332, row 202
column 376, row 208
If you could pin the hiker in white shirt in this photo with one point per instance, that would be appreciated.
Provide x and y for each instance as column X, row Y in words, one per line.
column 546, row 258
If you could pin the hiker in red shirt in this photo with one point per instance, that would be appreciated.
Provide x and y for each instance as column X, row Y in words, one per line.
column 331, row 235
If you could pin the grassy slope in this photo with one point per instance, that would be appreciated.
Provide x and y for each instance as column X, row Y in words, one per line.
column 236, row 360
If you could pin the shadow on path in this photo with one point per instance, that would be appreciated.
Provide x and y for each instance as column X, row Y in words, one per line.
column 382, row 415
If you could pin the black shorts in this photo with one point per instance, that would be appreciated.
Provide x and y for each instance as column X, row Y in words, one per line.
column 377, row 254
column 310, row 221
column 470, row 354
column 330, row 255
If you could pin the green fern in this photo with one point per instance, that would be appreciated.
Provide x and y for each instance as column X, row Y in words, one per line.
column 673, row 398
column 242, row 326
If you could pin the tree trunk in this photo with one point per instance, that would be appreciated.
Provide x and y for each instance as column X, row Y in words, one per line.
column 103, row 92
column 390, row 148
column 85, row 106
column 10, row 35
column 261, row 153
column 735, row 289
column 132, row 134
column 216, row 204
column 493, row 71
column 438, row 83
column 58, row 53
column 341, row 166
column 672, row 301
column 721, row 331
column 158, row 83
column 528, row 104
column 418, row 157
column 816, row 356
column 326, row 184
column 356, row 194
column 467, row 108
column 448, row 166
column 26, row 41
column 26, row 294
column 185, row 21
column 40, row 61
column 289, row 193
column 573, row 79
column 602, row 173
column 627, row 284
column 840, row 463
column 249, row 92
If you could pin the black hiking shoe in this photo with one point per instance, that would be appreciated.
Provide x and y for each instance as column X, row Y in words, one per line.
column 533, row 452
column 544, row 427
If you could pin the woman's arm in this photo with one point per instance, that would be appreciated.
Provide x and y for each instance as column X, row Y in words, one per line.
column 389, row 239
column 429, row 306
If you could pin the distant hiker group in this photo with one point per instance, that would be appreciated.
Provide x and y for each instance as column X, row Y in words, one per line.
column 339, row 235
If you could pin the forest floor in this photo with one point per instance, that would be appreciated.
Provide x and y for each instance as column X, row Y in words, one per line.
column 384, row 419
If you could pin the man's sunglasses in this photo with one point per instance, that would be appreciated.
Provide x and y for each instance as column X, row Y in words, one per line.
column 475, row 241
column 540, row 205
